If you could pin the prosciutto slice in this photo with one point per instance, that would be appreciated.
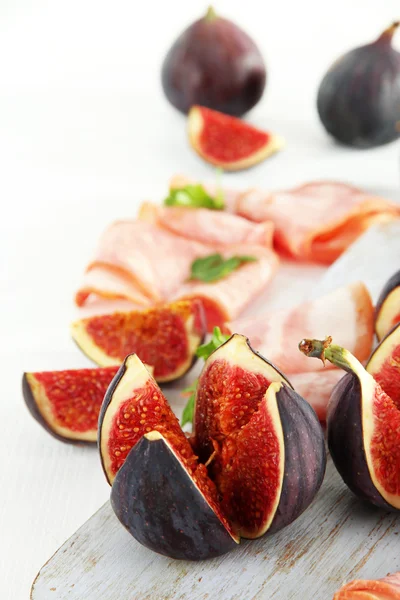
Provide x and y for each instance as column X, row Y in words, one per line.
column 214, row 227
column 387, row 588
column 316, row 388
column 316, row 221
column 347, row 314
column 144, row 264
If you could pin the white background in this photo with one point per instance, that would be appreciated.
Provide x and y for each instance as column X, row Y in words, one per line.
column 85, row 135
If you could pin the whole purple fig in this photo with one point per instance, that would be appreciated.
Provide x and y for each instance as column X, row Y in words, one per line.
column 215, row 64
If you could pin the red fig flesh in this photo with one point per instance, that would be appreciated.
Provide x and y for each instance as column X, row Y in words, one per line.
column 227, row 142
column 165, row 337
column 67, row 403
column 384, row 364
column 387, row 311
column 216, row 64
column 252, row 432
column 363, row 429
column 160, row 492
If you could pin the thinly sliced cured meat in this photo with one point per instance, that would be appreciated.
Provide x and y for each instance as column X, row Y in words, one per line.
column 316, row 388
column 208, row 226
column 387, row 588
column 226, row 299
column 317, row 221
column 347, row 314
column 144, row 264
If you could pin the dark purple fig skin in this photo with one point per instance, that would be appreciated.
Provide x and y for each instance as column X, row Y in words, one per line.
column 155, row 499
column 390, row 285
column 305, row 457
column 358, row 100
column 215, row 64
column 345, row 440
column 37, row 415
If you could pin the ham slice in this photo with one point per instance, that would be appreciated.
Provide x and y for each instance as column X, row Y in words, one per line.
column 214, row 227
column 313, row 222
column 317, row 221
column 346, row 314
column 387, row 588
column 316, row 388
column 144, row 264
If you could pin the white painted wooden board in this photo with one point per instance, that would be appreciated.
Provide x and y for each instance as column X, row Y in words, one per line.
column 337, row 539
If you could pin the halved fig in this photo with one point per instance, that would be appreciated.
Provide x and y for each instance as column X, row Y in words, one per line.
column 387, row 311
column 228, row 142
column 263, row 442
column 384, row 364
column 67, row 403
column 363, row 426
column 165, row 337
column 160, row 492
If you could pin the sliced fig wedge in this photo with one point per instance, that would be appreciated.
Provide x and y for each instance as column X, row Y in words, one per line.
column 160, row 492
column 363, row 425
column 67, row 403
column 263, row 442
column 165, row 337
column 387, row 311
column 384, row 364
column 166, row 506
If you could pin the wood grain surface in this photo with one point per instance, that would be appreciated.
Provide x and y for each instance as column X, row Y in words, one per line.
column 337, row 539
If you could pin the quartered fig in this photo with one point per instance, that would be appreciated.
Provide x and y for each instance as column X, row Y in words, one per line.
column 387, row 311
column 216, row 64
column 165, row 337
column 262, row 441
column 160, row 492
column 359, row 98
column 384, row 365
column 363, row 426
column 67, row 403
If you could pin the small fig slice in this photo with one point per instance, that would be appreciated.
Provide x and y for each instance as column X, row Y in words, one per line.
column 160, row 492
column 363, row 426
column 67, row 403
column 384, row 364
column 165, row 337
column 387, row 311
column 263, row 442
column 228, row 142
column 214, row 63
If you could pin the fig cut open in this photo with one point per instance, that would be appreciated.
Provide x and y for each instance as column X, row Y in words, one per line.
column 160, row 492
column 387, row 311
column 263, row 442
column 67, row 403
column 384, row 364
column 363, row 426
column 165, row 337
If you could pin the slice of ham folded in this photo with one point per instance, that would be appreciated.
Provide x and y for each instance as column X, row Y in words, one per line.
column 313, row 222
column 145, row 264
column 316, row 387
column 317, row 221
column 214, row 227
column 387, row 588
column 347, row 314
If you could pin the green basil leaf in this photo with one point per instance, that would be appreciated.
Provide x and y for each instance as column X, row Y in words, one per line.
column 214, row 267
column 218, row 338
column 194, row 196
column 188, row 411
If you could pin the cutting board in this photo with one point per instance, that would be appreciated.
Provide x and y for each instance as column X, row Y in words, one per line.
column 337, row 539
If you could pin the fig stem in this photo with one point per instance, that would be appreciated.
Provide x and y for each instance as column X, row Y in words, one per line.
column 387, row 35
column 211, row 14
column 325, row 350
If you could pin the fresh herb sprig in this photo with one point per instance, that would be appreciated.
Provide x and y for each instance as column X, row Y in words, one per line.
column 204, row 351
column 214, row 267
column 194, row 196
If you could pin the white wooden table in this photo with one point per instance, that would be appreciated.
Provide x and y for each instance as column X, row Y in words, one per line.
column 85, row 136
